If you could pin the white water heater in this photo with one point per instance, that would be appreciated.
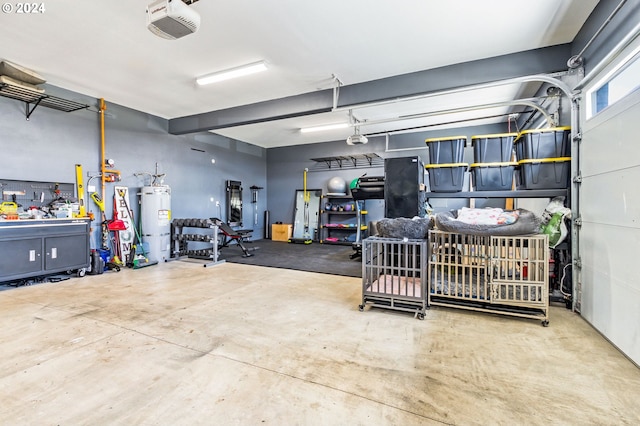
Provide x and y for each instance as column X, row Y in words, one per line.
column 155, row 216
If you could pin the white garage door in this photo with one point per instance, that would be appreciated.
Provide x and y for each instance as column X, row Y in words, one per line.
column 610, row 209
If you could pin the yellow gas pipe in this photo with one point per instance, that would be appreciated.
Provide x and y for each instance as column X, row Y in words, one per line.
column 113, row 174
column 104, row 173
column 103, row 108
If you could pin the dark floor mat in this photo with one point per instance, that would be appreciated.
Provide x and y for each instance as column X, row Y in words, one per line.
column 315, row 257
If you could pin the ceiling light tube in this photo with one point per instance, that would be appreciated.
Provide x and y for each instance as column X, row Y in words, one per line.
column 324, row 127
column 232, row 73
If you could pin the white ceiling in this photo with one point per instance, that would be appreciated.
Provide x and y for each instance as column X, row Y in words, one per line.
column 102, row 48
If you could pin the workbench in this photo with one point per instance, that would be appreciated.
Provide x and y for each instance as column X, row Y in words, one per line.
column 35, row 247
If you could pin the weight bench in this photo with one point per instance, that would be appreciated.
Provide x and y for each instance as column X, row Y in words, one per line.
column 231, row 236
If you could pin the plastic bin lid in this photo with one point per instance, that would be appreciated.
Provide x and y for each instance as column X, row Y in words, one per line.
column 450, row 165
column 499, row 164
column 549, row 129
column 446, row 138
column 545, row 160
column 497, row 135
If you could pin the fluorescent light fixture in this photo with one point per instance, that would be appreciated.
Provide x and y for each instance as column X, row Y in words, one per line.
column 232, row 73
column 325, row 127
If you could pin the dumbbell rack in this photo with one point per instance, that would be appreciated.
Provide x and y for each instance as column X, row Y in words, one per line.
column 204, row 233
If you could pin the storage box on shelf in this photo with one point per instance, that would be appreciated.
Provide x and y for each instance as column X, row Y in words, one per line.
column 544, row 173
column 493, row 176
column 446, row 150
column 554, row 142
column 446, row 177
column 339, row 219
column 497, row 148
column 544, row 158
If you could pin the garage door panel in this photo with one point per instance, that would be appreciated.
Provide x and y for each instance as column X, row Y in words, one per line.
column 613, row 309
column 612, row 198
column 610, row 139
column 601, row 251
column 610, row 288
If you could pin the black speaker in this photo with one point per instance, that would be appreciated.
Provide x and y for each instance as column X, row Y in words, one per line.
column 403, row 184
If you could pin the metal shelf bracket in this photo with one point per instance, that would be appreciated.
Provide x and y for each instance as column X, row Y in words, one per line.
column 33, row 99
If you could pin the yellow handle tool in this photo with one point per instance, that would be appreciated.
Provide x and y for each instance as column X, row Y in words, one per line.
column 80, row 189
column 8, row 207
column 98, row 200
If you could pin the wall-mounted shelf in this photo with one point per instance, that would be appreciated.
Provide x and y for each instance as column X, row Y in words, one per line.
column 33, row 99
column 355, row 161
column 525, row 193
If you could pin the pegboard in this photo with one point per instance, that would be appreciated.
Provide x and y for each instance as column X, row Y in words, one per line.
column 39, row 194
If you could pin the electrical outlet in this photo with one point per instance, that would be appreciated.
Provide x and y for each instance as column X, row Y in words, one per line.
column 91, row 188
column 217, row 203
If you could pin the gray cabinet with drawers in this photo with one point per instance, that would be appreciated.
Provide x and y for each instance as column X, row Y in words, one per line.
column 29, row 248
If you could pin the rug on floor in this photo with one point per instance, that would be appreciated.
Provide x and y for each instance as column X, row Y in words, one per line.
column 315, row 257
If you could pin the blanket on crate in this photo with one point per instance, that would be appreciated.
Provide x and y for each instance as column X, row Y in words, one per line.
column 413, row 229
column 489, row 221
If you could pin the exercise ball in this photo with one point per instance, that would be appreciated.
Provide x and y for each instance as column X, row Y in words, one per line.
column 337, row 186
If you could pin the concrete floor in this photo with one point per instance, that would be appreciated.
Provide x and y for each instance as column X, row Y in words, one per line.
column 179, row 344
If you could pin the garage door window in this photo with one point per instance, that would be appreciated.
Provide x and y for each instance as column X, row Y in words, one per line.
column 617, row 84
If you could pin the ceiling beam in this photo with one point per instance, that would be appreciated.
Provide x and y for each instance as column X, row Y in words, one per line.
column 538, row 61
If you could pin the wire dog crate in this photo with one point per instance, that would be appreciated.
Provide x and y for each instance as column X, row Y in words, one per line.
column 394, row 274
column 499, row 274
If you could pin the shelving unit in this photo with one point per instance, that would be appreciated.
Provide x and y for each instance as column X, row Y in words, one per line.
column 524, row 193
column 521, row 193
column 34, row 99
column 340, row 226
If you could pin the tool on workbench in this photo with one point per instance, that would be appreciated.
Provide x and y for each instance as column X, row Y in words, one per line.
column 80, row 190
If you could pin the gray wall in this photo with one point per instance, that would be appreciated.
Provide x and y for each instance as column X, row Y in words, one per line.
column 285, row 167
column 47, row 147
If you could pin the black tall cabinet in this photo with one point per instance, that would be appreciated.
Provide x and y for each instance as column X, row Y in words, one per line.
column 404, row 187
